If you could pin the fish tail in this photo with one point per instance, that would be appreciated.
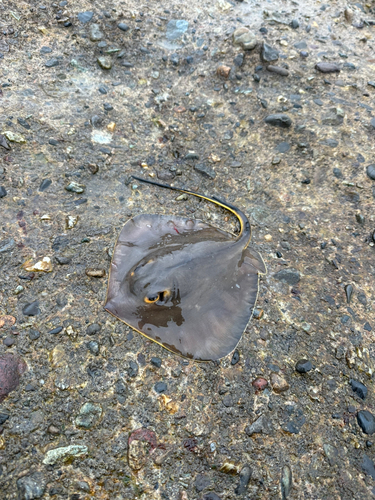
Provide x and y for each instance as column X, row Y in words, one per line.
column 245, row 228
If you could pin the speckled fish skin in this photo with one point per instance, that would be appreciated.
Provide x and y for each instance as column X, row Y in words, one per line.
column 211, row 278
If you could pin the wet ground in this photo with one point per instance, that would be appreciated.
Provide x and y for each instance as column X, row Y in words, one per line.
column 93, row 92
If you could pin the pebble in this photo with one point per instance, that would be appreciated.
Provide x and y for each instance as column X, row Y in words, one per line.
column 202, row 482
column 123, row 27
column 245, row 476
column 366, row 421
column 290, row 276
column 95, row 33
column 223, row 71
column 244, row 38
column 56, row 330
column 176, row 28
column 23, row 123
column 325, row 67
column 3, row 192
column 368, row 466
column 89, row 415
column 63, row 261
column 31, row 487
column 93, row 329
column 34, row 334
column 83, row 486
column 3, row 417
column 205, row 170
column 304, row 53
column 156, row 362
column 45, row 184
column 331, row 454
column 4, row 142
column 259, row 383
column 133, row 369
column 51, row 63
column 370, row 171
column 286, row 481
column 278, row 383
column 14, row 137
column 85, row 17
column 359, row 388
column 104, row 62
column 303, row 366
column 268, row 53
column 294, row 24
column 74, row 187
column 238, row 60
column 278, row 70
column 211, row 495
column 11, row 369
column 160, row 387
column 31, row 309
column 9, row 341
column 95, row 273
column 64, row 453
column 93, row 347
column 261, row 425
column 279, row 120
column 235, row 358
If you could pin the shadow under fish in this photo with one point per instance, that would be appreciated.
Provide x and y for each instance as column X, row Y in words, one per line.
column 183, row 283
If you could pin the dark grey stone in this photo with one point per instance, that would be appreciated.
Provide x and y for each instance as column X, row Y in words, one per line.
column 93, row 347
column 366, row 421
column 283, row 147
column 85, row 17
column 3, row 417
column 93, row 329
column 31, row 487
column 326, row 67
column 300, row 45
column 156, row 362
column 3, row 192
column 31, row 309
column 368, row 466
column 7, row 245
column 238, row 60
column 45, row 184
column 294, row 24
column 303, row 366
column 268, row 53
column 370, row 171
column 51, row 63
column 123, row 26
column 245, row 476
column 290, row 276
column 202, row 482
column 359, row 388
column 133, row 369
column 205, row 170
column 34, row 334
column 23, row 123
column 160, row 387
column 279, row 120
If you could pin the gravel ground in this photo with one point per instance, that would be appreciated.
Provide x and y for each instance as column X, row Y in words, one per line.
column 277, row 118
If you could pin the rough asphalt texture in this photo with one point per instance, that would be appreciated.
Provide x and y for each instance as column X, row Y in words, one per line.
column 93, row 92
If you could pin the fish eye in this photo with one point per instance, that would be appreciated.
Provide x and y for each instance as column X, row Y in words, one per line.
column 160, row 297
column 152, row 298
